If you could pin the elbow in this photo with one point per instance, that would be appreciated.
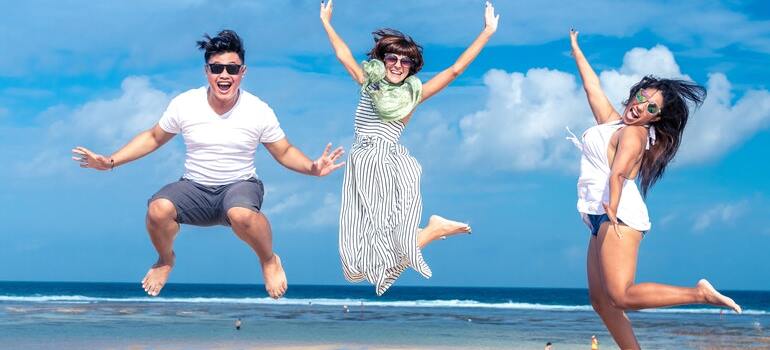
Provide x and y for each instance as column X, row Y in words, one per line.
column 283, row 156
column 455, row 72
column 592, row 89
column 342, row 54
column 617, row 178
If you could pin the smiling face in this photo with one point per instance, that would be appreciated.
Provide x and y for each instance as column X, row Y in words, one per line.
column 397, row 67
column 643, row 108
column 223, row 86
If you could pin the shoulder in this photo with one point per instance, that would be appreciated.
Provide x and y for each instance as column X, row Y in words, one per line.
column 254, row 103
column 634, row 131
column 190, row 95
column 197, row 93
column 632, row 135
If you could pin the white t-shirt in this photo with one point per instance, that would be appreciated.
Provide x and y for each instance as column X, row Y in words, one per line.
column 220, row 148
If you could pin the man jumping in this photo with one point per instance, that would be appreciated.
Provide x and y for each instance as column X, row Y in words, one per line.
column 222, row 127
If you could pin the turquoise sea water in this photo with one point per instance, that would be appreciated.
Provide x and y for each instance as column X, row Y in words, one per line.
column 201, row 316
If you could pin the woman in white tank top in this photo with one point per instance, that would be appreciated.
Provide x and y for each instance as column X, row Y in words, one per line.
column 638, row 143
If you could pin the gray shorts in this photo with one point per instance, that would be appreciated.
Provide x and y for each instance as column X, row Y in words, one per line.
column 202, row 205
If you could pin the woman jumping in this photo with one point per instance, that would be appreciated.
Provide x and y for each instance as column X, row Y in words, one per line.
column 381, row 203
column 640, row 142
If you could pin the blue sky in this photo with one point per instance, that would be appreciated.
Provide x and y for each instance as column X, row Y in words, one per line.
column 492, row 144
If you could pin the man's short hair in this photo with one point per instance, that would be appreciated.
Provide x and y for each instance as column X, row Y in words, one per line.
column 225, row 41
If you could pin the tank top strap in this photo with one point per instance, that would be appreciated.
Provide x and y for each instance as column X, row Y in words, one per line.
column 650, row 137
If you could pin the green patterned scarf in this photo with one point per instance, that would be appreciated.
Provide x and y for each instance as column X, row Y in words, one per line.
column 391, row 101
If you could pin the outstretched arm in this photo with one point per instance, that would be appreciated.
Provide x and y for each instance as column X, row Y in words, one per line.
column 292, row 158
column 443, row 79
column 141, row 145
column 340, row 48
column 600, row 104
column 628, row 153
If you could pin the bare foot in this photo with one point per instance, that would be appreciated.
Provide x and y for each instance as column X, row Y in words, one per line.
column 275, row 277
column 715, row 298
column 156, row 278
column 439, row 227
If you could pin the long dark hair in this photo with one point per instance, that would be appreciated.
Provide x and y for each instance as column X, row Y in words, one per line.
column 390, row 40
column 670, row 125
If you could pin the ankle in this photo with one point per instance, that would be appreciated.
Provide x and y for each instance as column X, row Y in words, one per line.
column 701, row 294
column 270, row 258
column 424, row 236
column 166, row 258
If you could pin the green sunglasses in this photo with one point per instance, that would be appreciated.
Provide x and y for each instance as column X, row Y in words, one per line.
column 652, row 107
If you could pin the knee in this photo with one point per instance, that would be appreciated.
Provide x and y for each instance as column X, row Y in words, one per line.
column 619, row 300
column 160, row 211
column 241, row 217
column 599, row 303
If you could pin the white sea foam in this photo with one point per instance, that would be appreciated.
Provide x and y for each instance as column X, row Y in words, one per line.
column 453, row 303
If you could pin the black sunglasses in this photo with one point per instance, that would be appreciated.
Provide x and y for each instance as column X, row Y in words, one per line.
column 232, row 69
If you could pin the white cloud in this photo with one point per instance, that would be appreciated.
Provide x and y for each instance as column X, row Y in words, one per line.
column 522, row 125
column 725, row 213
column 720, row 125
column 711, row 26
column 46, row 162
column 637, row 63
column 288, row 203
column 305, row 209
column 667, row 219
column 328, row 213
column 101, row 125
column 112, row 122
column 128, row 38
column 698, row 25
column 431, row 139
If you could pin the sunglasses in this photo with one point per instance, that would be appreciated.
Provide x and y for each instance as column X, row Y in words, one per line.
column 391, row 59
column 232, row 69
column 652, row 107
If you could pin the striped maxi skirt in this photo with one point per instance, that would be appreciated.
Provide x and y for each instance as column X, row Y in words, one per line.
column 380, row 213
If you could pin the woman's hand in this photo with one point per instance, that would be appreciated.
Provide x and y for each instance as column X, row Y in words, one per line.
column 326, row 12
column 612, row 215
column 441, row 80
column 88, row 159
column 490, row 19
column 573, row 38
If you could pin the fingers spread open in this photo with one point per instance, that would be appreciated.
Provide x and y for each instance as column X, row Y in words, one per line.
column 326, row 150
column 337, row 153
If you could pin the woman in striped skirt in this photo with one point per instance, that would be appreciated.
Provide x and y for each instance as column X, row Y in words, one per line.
column 381, row 202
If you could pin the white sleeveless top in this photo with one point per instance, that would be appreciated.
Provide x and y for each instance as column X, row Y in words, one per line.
column 593, row 184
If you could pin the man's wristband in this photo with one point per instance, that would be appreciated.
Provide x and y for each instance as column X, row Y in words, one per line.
column 112, row 164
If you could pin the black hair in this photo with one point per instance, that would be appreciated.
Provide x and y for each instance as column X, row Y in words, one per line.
column 670, row 125
column 388, row 40
column 225, row 41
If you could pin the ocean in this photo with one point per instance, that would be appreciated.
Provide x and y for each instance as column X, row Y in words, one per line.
column 65, row 315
